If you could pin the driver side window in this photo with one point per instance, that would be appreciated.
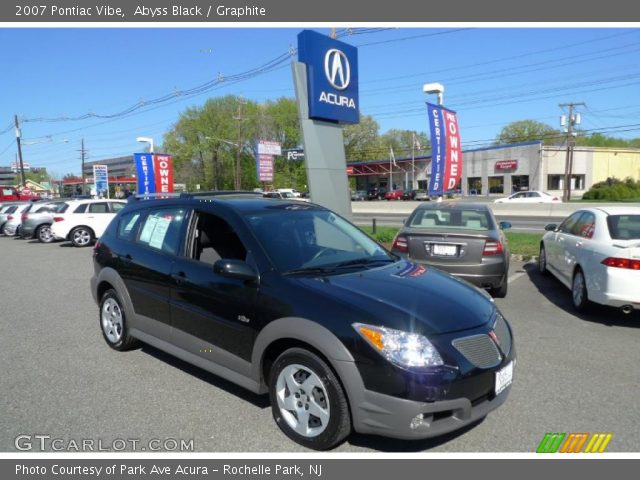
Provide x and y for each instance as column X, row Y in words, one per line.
column 568, row 224
column 215, row 239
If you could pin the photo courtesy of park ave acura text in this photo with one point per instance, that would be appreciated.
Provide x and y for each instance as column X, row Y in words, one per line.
column 359, row 239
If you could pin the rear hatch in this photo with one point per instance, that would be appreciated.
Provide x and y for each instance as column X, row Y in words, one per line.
column 445, row 248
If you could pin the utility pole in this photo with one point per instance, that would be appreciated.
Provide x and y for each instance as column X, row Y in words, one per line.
column 83, row 155
column 238, row 172
column 572, row 120
column 18, row 135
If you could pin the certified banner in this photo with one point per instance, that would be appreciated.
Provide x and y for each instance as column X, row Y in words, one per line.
column 101, row 180
column 446, row 150
column 144, row 173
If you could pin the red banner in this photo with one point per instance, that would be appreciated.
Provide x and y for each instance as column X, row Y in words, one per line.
column 453, row 164
column 163, row 172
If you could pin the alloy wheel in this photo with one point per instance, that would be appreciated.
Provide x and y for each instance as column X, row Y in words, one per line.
column 303, row 400
column 111, row 320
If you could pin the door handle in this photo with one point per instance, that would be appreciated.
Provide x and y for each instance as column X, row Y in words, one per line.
column 578, row 244
column 179, row 277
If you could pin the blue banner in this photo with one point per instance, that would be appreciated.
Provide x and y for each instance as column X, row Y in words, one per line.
column 438, row 149
column 144, row 173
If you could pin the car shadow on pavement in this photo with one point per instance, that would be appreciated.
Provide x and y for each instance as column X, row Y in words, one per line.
column 384, row 444
column 554, row 291
column 260, row 401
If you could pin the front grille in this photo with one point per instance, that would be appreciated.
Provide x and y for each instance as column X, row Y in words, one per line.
column 480, row 350
column 503, row 334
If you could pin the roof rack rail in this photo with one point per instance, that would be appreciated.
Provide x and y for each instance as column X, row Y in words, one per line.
column 218, row 193
column 151, row 196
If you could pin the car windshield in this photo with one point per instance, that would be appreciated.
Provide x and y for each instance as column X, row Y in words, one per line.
column 624, row 227
column 302, row 239
column 448, row 219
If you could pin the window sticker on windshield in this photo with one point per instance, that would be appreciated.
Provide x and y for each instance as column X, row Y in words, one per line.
column 149, row 226
column 159, row 232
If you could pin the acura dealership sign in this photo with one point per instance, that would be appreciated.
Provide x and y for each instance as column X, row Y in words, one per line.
column 332, row 77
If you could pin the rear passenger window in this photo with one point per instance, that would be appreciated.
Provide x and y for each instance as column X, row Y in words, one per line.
column 98, row 208
column 161, row 229
column 128, row 226
column 116, row 207
column 81, row 208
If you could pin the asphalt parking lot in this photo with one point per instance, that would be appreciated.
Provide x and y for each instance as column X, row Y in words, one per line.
column 59, row 378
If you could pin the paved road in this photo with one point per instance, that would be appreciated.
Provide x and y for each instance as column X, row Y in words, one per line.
column 519, row 224
column 574, row 374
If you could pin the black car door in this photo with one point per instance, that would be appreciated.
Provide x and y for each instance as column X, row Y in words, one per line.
column 212, row 314
column 145, row 259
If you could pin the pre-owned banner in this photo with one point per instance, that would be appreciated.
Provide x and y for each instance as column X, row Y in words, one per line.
column 144, row 173
column 163, row 172
column 446, row 150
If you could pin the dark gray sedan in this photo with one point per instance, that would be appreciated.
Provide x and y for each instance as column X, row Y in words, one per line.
column 463, row 239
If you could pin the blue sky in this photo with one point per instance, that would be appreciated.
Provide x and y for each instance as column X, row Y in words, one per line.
column 491, row 77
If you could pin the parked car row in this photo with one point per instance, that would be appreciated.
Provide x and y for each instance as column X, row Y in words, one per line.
column 80, row 221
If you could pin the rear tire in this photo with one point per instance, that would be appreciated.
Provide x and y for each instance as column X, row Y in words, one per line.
column 43, row 234
column 113, row 323
column 501, row 291
column 307, row 400
column 579, row 294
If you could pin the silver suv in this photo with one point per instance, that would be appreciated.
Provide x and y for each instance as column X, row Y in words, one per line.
column 36, row 222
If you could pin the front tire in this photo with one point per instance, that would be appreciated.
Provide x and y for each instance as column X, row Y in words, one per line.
column 113, row 323
column 307, row 400
column 542, row 261
column 43, row 234
column 81, row 236
column 579, row 291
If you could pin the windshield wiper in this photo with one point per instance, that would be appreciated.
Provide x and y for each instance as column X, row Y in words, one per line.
column 309, row 271
column 362, row 261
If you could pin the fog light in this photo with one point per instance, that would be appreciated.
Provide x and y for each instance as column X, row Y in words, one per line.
column 417, row 421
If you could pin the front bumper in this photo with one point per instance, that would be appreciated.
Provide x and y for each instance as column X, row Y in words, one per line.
column 389, row 416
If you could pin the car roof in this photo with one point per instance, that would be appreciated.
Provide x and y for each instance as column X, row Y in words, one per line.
column 78, row 201
column 453, row 206
column 618, row 209
column 240, row 201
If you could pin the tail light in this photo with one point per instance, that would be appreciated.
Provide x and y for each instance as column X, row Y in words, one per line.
column 10, row 217
column 400, row 244
column 622, row 263
column 492, row 247
column 24, row 216
column 96, row 245
column 58, row 219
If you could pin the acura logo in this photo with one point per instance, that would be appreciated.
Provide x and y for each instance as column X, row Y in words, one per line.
column 337, row 69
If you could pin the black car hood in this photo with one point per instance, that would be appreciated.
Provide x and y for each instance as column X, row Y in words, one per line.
column 407, row 296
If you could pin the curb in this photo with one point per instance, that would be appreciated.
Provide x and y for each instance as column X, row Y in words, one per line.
column 523, row 258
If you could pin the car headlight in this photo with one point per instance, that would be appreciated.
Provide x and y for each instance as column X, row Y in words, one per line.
column 401, row 348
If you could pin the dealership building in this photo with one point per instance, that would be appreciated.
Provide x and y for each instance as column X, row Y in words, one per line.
column 503, row 169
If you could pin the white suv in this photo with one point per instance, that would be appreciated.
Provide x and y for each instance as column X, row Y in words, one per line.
column 85, row 220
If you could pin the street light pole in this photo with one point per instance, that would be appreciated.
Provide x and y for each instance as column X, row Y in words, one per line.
column 148, row 140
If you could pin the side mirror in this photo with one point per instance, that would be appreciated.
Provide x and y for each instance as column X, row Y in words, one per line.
column 232, row 268
column 404, row 221
column 505, row 225
column 551, row 227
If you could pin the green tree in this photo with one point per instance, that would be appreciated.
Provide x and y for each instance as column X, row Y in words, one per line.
column 401, row 141
column 527, row 130
column 362, row 141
